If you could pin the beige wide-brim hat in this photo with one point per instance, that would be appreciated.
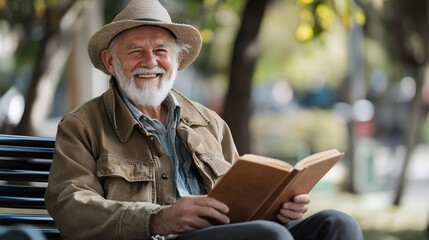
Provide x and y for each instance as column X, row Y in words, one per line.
column 139, row 13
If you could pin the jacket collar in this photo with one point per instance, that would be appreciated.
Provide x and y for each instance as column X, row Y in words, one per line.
column 191, row 111
column 120, row 117
column 123, row 121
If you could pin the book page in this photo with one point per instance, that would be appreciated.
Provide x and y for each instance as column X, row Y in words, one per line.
column 317, row 157
column 272, row 162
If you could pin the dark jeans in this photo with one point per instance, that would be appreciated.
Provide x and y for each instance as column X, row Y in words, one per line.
column 327, row 224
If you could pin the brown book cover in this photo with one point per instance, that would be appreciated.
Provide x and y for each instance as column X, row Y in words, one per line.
column 256, row 186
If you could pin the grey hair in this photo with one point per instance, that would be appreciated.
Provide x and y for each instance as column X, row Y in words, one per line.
column 113, row 47
column 180, row 48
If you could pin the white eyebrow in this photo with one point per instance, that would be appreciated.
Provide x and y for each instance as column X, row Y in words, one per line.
column 133, row 46
column 161, row 43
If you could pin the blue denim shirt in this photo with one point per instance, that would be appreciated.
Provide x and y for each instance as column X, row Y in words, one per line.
column 188, row 180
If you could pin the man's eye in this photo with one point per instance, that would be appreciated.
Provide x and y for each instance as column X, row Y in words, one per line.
column 135, row 53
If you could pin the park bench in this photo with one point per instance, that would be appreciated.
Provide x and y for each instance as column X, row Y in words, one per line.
column 24, row 170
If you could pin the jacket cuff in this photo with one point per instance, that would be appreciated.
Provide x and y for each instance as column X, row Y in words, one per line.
column 134, row 222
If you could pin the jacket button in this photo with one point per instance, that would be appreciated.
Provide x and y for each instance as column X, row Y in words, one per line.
column 164, row 176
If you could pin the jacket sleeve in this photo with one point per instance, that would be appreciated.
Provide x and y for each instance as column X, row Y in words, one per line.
column 75, row 197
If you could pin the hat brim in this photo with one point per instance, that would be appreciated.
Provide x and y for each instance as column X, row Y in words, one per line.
column 183, row 33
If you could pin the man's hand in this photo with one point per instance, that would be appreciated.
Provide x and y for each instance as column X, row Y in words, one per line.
column 188, row 214
column 294, row 209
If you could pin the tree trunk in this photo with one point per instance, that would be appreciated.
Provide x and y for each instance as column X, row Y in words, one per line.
column 52, row 56
column 427, row 232
column 356, row 91
column 411, row 24
column 237, row 105
column 84, row 82
column 414, row 123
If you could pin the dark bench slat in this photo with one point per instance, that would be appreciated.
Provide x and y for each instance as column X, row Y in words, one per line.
column 26, row 159
column 22, row 191
column 15, row 196
column 50, row 233
column 26, row 152
column 40, row 222
column 22, row 202
column 31, row 219
column 30, row 141
column 25, row 164
column 23, row 175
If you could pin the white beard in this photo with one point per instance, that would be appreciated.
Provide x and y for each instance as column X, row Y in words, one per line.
column 149, row 95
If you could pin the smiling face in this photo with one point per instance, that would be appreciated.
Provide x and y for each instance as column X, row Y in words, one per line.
column 144, row 62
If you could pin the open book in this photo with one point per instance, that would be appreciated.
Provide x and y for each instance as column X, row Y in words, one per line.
column 255, row 186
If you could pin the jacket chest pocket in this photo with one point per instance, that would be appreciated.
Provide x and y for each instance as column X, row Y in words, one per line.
column 125, row 179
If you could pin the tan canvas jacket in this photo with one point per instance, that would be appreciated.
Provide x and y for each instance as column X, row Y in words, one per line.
column 109, row 175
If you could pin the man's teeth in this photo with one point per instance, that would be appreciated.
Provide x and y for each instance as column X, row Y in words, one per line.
column 146, row 75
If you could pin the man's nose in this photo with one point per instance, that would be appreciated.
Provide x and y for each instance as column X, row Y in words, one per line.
column 149, row 59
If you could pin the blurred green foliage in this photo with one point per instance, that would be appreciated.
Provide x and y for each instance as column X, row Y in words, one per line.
column 296, row 134
column 24, row 23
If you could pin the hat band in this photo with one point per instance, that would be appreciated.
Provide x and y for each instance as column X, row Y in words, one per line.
column 149, row 19
column 157, row 20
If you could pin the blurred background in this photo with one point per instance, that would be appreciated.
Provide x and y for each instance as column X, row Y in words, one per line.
column 290, row 77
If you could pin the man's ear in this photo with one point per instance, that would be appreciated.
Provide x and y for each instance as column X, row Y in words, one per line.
column 108, row 61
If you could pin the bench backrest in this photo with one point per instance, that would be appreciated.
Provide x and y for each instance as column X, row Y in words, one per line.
column 24, row 171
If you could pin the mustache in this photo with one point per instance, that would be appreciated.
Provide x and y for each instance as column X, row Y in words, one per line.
column 144, row 70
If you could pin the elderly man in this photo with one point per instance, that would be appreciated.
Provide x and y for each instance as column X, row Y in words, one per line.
column 138, row 161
